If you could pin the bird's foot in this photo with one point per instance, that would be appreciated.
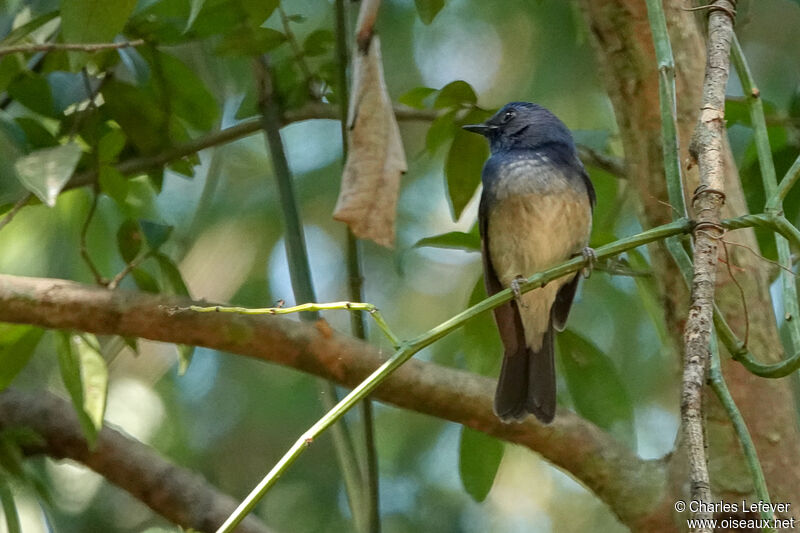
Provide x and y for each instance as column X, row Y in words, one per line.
column 590, row 256
column 515, row 288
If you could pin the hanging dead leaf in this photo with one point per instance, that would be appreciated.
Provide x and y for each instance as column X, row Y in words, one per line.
column 376, row 160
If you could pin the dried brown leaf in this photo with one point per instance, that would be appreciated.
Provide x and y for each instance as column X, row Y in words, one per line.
column 376, row 160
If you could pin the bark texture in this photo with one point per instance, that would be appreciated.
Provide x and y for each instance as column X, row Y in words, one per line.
column 626, row 58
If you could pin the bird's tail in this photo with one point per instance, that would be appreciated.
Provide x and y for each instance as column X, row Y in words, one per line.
column 527, row 382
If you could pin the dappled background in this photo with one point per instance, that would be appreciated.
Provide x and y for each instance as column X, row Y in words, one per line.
column 230, row 417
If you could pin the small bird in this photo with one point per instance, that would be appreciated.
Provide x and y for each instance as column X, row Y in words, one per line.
column 535, row 212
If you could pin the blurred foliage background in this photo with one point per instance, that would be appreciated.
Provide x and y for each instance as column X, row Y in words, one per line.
column 230, row 418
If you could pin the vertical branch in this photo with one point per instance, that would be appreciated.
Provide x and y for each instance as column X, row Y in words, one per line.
column 668, row 107
column 708, row 150
column 772, row 193
column 358, row 325
column 299, row 269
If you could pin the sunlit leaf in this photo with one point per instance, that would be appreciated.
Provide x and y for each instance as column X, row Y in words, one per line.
column 94, row 21
column 20, row 32
column 417, row 97
column 463, row 168
column 113, row 183
column 17, row 344
column 428, row 9
column 45, row 172
column 457, row 93
column 129, row 240
column 85, row 377
column 479, row 458
column 597, row 391
column 196, row 6
column 110, row 145
column 453, row 239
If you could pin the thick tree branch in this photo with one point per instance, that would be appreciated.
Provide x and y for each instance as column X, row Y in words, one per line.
column 631, row 486
column 179, row 495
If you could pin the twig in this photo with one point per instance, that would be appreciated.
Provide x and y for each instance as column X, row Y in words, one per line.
column 84, row 249
column 18, row 205
column 74, row 47
column 116, row 280
column 307, row 308
column 741, row 291
column 707, row 149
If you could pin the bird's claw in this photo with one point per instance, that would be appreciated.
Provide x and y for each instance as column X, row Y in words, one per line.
column 515, row 289
column 590, row 256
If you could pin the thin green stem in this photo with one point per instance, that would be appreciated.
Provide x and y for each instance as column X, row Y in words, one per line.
column 720, row 388
column 788, row 181
column 771, row 191
column 306, row 307
column 668, row 107
column 299, row 268
column 407, row 350
column 372, row 522
column 9, row 509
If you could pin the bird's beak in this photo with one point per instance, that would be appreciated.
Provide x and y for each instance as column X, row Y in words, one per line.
column 482, row 129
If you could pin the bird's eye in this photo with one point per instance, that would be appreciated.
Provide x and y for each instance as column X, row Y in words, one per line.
column 508, row 116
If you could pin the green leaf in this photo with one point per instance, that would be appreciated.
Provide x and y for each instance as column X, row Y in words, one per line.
column 144, row 280
column 155, row 234
column 141, row 118
column 258, row 11
column 110, row 145
column 442, row 130
column 17, row 344
column 457, row 93
column 85, row 377
column 45, row 172
column 479, row 458
column 428, row 9
column 417, row 97
column 318, row 42
column 129, row 240
column 453, row 239
column 20, row 32
column 463, row 168
column 196, row 6
column 94, row 21
column 9, row 508
column 33, row 91
column 251, row 42
column 598, row 393
column 113, row 183
column 185, row 354
column 172, row 277
column 36, row 135
column 187, row 94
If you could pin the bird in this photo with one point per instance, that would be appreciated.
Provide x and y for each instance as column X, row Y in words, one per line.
column 535, row 212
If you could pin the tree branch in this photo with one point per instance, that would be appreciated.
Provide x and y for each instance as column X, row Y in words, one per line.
column 175, row 493
column 631, row 486
column 707, row 149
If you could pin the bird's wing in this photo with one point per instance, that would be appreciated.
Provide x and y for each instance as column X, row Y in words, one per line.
column 507, row 317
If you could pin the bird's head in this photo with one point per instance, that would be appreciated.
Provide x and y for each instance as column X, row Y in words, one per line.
column 521, row 125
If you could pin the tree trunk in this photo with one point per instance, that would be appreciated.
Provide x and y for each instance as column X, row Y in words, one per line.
column 624, row 47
